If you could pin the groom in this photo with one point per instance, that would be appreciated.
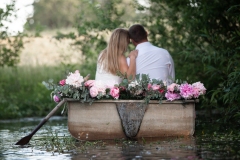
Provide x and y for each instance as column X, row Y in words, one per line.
column 151, row 60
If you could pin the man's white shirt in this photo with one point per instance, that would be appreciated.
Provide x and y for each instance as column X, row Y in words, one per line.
column 154, row 61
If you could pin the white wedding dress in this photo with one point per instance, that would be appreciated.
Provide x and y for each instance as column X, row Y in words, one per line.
column 105, row 78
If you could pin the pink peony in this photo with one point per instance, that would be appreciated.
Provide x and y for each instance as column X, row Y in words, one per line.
column 93, row 91
column 196, row 93
column 199, row 87
column 155, row 87
column 56, row 99
column 62, row 82
column 89, row 83
column 114, row 92
column 186, row 91
column 172, row 87
column 172, row 96
column 149, row 86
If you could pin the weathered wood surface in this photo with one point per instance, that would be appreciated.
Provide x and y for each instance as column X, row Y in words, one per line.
column 101, row 120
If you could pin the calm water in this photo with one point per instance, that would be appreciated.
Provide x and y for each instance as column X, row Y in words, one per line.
column 53, row 141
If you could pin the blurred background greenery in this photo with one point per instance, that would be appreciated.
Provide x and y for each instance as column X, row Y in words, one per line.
column 202, row 36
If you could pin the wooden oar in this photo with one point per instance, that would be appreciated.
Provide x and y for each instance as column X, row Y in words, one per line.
column 27, row 138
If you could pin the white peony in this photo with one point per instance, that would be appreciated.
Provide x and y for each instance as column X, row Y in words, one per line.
column 74, row 79
column 133, row 84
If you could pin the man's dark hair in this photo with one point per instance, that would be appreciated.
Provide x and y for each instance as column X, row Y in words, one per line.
column 137, row 33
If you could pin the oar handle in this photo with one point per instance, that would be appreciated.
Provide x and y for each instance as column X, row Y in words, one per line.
column 48, row 116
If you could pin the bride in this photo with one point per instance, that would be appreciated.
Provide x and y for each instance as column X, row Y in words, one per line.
column 112, row 59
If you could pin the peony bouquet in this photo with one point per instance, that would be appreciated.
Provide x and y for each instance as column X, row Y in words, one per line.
column 71, row 87
column 142, row 88
column 184, row 91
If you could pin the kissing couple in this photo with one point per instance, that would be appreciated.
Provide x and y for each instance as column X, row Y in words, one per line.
column 145, row 59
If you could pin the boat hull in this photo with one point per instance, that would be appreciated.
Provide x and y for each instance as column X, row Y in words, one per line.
column 101, row 119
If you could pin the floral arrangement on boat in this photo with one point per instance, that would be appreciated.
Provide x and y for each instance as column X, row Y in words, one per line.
column 142, row 88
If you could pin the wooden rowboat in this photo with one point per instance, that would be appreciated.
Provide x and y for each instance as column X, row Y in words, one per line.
column 115, row 119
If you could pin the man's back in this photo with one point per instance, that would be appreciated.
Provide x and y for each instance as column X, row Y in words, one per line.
column 154, row 61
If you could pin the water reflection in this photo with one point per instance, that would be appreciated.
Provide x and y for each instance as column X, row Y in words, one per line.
column 55, row 130
column 156, row 148
column 13, row 130
column 165, row 148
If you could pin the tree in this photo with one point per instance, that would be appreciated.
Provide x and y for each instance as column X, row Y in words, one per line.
column 52, row 14
column 10, row 46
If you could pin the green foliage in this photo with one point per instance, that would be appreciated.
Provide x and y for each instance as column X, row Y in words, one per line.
column 52, row 14
column 56, row 143
column 67, row 13
column 141, row 88
column 10, row 46
column 22, row 93
column 203, row 38
column 68, row 91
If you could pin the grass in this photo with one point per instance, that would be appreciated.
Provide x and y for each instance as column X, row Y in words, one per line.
column 21, row 91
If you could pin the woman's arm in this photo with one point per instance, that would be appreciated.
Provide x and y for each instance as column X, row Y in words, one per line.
column 131, row 69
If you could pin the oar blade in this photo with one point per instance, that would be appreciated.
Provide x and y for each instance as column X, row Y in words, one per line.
column 25, row 140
